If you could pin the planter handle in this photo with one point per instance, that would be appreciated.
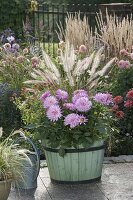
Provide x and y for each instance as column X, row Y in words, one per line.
column 35, row 149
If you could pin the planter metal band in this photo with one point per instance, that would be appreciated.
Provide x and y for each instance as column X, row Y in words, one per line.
column 76, row 150
column 76, row 182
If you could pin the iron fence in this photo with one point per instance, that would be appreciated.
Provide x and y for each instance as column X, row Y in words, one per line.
column 46, row 18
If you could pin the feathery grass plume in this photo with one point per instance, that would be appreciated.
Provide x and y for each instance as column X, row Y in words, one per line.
column 83, row 65
column 72, row 72
column 77, row 32
column 115, row 33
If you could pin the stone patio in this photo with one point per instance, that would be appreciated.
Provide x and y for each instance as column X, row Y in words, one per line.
column 116, row 184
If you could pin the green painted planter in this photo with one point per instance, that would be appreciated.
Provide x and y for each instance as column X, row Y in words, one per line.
column 77, row 166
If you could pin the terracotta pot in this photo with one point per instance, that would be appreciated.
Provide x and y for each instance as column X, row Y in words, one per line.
column 5, row 187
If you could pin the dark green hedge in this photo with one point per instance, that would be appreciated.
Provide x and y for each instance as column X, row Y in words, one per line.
column 12, row 13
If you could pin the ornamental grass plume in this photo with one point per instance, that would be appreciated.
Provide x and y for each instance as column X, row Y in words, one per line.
column 78, row 33
column 72, row 71
column 115, row 33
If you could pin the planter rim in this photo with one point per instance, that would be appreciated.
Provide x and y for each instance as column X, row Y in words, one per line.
column 95, row 148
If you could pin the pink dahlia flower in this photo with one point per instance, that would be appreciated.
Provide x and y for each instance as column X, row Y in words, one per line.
column 124, row 64
column 61, row 95
column 69, row 106
column 124, row 52
column 82, row 49
column 78, row 94
column 34, row 61
column 82, row 119
column 103, row 98
column 80, row 91
column 83, row 104
column 50, row 101
column 72, row 120
column 54, row 113
column 45, row 95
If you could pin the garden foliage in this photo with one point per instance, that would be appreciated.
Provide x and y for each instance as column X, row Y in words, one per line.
column 10, row 117
column 12, row 14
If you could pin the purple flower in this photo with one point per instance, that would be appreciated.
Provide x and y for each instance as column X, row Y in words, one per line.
column 15, row 46
column 45, row 95
column 82, row 119
column 103, row 98
column 82, row 49
column 83, row 104
column 80, row 91
column 72, row 120
column 50, row 101
column 69, row 106
column 61, row 95
column 54, row 113
column 124, row 64
column 78, row 94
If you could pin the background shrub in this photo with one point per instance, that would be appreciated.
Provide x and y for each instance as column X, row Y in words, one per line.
column 123, row 142
column 12, row 14
column 10, row 117
column 120, row 86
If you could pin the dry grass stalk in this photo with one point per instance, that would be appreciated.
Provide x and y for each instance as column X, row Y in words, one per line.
column 115, row 33
column 77, row 32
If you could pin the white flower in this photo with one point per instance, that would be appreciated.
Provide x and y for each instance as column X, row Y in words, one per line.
column 10, row 39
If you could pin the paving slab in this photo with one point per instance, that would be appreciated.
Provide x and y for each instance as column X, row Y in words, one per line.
column 116, row 184
column 36, row 194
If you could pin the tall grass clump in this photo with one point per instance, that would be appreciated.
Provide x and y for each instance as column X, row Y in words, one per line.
column 115, row 33
column 78, row 32
column 12, row 159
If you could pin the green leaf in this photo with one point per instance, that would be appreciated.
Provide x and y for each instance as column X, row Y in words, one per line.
column 30, row 126
column 90, row 141
column 62, row 152
column 87, row 134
